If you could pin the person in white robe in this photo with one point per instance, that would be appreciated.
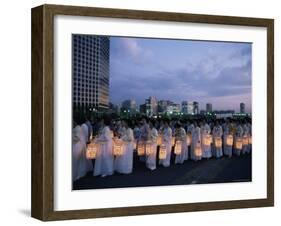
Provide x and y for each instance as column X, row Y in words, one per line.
column 217, row 134
column 152, row 139
column 104, row 158
column 167, row 142
column 80, row 164
column 206, row 149
column 144, row 134
column 250, row 137
column 189, row 132
column 85, row 132
column 124, row 163
column 90, row 129
column 227, row 149
column 238, row 135
column 181, row 136
column 196, row 142
column 246, row 133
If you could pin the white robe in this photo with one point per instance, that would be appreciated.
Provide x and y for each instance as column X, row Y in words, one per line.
column 80, row 165
column 217, row 133
column 167, row 141
column 104, row 158
column 250, row 135
column 239, row 134
column 227, row 149
column 85, row 132
column 246, row 132
column 196, row 138
column 124, row 163
column 206, row 149
column 184, row 150
column 151, row 159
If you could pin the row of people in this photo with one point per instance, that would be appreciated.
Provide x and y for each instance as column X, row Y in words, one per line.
column 199, row 140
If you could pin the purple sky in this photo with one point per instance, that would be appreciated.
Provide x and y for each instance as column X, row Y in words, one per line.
column 215, row 72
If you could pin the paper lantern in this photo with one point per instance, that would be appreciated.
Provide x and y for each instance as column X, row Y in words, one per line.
column 250, row 139
column 198, row 150
column 188, row 139
column 229, row 140
column 159, row 140
column 91, row 151
column 118, row 148
column 218, row 142
column 162, row 152
column 207, row 140
column 141, row 148
column 178, row 147
column 173, row 141
column 148, row 148
column 238, row 143
column 245, row 141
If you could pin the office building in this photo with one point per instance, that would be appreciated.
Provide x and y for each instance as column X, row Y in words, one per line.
column 242, row 108
column 90, row 72
column 208, row 107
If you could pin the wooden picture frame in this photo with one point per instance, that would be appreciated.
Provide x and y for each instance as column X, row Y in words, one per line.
column 42, row 203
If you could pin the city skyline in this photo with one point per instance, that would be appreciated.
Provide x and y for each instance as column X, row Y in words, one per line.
column 184, row 106
column 201, row 71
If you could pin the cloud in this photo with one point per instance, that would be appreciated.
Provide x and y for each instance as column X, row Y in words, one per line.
column 213, row 75
column 130, row 49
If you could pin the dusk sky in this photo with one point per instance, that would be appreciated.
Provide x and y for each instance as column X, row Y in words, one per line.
column 215, row 72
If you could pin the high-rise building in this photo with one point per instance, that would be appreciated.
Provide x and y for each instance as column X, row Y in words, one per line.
column 90, row 72
column 151, row 106
column 242, row 108
column 130, row 106
column 173, row 108
column 196, row 107
column 187, row 107
column 208, row 107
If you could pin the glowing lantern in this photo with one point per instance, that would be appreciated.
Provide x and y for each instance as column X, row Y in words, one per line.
column 188, row 139
column 159, row 140
column 148, row 148
column 207, row 140
column 173, row 141
column 141, row 148
column 245, row 140
column 178, row 147
column 238, row 143
column 118, row 148
column 198, row 150
column 218, row 142
column 229, row 140
column 92, row 150
column 250, row 139
column 162, row 152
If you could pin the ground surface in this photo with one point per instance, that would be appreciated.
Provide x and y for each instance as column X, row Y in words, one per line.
column 235, row 169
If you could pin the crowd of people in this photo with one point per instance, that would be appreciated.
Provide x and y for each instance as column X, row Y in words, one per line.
column 107, row 146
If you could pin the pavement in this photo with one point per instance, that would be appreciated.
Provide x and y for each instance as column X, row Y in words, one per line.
column 222, row 170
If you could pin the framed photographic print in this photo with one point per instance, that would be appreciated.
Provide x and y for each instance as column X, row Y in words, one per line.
column 141, row 112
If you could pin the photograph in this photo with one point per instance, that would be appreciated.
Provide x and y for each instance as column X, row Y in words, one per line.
column 160, row 112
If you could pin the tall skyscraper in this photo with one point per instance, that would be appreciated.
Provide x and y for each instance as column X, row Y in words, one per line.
column 208, row 107
column 242, row 108
column 151, row 106
column 196, row 107
column 90, row 72
column 130, row 106
column 187, row 107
